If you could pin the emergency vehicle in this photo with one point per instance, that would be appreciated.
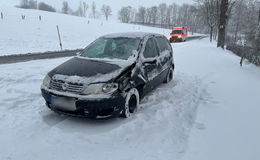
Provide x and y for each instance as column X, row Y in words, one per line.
column 179, row 34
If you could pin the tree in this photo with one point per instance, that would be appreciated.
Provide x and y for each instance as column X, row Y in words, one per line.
column 32, row 4
column 106, row 11
column 80, row 11
column 210, row 10
column 45, row 7
column 141, row 14
column 257, row 45
column 125, row 14
column 94, row 10
column 24, row 4
column 222, row 23
column 28, row 4
column 154, row 12
column 162, row 13
column 65, row 7
column 85, row 8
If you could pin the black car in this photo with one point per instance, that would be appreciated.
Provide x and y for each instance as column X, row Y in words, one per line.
column 110, row 76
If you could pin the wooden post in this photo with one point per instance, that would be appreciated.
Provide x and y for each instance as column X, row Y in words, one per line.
column 2, row 15
column 59, row 37
column 40, row 18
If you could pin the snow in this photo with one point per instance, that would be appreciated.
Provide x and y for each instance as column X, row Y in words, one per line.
column 209, row 111
column 31, row 35
column 226, row 125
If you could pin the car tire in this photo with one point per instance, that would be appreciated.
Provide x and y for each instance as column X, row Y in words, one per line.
column 131, row 104
column 169, row 76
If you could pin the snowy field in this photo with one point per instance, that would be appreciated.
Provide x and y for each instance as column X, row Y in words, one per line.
column 19, row 36
column 209, row 111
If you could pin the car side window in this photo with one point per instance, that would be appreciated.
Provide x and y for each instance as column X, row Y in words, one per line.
column 163, row 44
column 150, row 50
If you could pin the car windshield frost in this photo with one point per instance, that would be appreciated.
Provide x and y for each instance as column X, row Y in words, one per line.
column 112, row 48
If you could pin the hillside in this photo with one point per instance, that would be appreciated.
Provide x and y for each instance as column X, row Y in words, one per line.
column 31, row 35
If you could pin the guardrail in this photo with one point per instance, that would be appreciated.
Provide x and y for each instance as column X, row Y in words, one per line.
column 34, row 56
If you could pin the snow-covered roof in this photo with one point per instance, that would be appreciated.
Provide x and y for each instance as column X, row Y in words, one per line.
column 130, row 34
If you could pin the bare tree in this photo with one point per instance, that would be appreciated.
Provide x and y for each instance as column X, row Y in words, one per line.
column 24, row 4
column 28, row 4
column 45, row 7
column 33, row 4
column 257, row 45
column 85, row 8
column 141, row 14
column 80, row 11
column 222, row 23
column 162, row 13
column 210, row 10
column 94, row 10
column 154, row 12
column 65, row 7
column 125, row 14
column 106, row 10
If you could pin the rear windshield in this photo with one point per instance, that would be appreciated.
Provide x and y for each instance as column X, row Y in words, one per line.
column 176, row 32
column 112, row 48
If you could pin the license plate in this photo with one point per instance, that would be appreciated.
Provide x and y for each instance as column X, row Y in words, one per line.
column 63, row 103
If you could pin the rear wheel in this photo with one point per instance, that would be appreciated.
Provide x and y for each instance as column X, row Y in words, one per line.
column 132, row 103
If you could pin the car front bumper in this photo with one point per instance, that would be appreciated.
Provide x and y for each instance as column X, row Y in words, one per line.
column 174, row 39
column 91, row 108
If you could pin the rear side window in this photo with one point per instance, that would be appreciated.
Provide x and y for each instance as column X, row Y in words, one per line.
column 163, row 44
column 150, row 49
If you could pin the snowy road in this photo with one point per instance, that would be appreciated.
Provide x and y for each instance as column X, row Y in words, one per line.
column 166, row 126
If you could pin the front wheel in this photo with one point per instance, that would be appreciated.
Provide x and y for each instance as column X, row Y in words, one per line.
column 169, row 76
column 131, row 104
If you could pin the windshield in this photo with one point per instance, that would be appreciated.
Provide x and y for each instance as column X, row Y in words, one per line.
column 176, row 32
column 112, row 48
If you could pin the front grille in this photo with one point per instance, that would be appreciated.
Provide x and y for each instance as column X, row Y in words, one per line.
column 64, row 86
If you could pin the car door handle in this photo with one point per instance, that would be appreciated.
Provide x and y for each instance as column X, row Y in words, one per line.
column 151, row 61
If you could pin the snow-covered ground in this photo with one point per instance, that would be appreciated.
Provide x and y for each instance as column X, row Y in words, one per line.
column 19, row 36
column 209, row 111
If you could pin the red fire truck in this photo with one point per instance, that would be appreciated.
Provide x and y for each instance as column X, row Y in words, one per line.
column 179, row 34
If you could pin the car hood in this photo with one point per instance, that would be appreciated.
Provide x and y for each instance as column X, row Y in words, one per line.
column 81, row 70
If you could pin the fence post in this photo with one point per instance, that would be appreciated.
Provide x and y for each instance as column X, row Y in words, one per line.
column 2, row 15
column 59, row 37
column 40, row 18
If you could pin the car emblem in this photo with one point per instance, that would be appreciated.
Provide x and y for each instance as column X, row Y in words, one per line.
column 65, row 86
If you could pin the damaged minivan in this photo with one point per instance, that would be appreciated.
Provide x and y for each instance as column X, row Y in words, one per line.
column 110, row 76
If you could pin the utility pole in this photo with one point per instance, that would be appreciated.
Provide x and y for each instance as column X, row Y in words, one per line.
column 59, row 37
column 222, row 23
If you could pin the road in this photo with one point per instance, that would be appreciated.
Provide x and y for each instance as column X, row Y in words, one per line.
column 47, row 55
column 35, row 56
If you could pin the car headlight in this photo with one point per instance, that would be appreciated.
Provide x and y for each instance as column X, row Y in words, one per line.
column 100, row 88
column 46, row 81
column 179, row 36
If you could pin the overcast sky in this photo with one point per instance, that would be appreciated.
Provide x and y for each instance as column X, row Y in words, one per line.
column 115, row 4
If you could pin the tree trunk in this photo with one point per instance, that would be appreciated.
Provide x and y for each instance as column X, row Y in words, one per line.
column 211, row 33
column 222, row 23
column 258, row 36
